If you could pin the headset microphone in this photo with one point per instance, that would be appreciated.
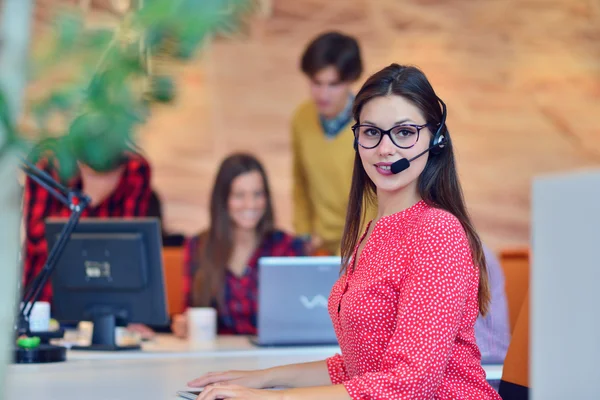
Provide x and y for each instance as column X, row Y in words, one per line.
column 404, row 163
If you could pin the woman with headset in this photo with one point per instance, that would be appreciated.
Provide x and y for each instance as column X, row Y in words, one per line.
column 413, row 284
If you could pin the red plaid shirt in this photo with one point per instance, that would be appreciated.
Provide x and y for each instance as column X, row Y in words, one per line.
column 129, row 199
column 238, row 315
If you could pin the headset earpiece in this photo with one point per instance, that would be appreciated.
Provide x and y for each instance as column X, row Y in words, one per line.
column 355, row 136
column 439, row 139
column 437, row 144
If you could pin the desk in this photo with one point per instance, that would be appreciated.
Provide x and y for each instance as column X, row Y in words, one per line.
column 168, row 346
column 157, row 372
column 133, row 379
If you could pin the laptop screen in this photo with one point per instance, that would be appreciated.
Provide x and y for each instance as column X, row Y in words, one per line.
column 292, row 299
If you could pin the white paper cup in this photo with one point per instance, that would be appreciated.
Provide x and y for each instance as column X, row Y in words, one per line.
column 39, row 319
column 202, row 324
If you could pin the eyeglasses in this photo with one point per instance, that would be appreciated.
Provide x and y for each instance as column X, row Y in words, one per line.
column 403, row 136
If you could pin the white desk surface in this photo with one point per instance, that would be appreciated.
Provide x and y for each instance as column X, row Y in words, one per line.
column 168, row 346
column 157, row 372
column 143, row 379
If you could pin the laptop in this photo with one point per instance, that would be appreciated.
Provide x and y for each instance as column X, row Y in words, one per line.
column 189, row 394
column 292, row 301
column 192, row 394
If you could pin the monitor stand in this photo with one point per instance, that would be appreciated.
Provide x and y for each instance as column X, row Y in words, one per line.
column 103, row 335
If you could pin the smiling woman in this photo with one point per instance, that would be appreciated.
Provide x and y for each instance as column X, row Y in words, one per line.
column 412, row 284
column 222, row 261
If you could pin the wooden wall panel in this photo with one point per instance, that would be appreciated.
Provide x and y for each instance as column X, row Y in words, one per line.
column 521, row 79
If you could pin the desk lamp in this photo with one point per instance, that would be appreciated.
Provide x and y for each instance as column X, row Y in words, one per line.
column 35, row 347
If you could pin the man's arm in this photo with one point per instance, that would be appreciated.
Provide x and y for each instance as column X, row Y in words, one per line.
column 303, row 211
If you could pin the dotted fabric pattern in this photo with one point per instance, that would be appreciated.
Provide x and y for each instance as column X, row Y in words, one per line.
column 405, row 315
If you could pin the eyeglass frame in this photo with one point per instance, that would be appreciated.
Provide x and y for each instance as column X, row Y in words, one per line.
column 389, row 133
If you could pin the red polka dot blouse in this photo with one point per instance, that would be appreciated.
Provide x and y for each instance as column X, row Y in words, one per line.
column 405, row 315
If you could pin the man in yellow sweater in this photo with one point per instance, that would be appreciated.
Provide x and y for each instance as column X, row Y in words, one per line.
column 322, row 140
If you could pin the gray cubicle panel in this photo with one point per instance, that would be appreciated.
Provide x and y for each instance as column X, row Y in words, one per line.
column 565, row 285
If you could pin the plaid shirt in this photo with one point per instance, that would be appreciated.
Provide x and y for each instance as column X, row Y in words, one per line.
column 238, row 315
column 130, row 199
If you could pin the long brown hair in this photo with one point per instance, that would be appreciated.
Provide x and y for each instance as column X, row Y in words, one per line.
column 212, row 255
column 438, row 184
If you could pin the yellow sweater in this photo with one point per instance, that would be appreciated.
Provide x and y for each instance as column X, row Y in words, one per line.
column 322, row 174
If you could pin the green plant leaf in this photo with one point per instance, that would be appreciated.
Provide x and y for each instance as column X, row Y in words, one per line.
column 59, row 149
column 69, row 29
column 109, row 104
column 5, row 118
column 63, row 100
column 187, row 47
column 97, row 39
column 98, row 139
column 67, row 163
column 41, row 114
column 162, row 89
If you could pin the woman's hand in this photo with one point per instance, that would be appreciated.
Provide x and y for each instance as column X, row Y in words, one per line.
column 249, row 379
column 179, row 326
column 218, row 391
column 313, row 245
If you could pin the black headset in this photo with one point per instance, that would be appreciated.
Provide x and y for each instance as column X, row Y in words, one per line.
column 439, row 139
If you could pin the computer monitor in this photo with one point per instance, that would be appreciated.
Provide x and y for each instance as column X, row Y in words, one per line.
column 565, row 233
column 111, row 273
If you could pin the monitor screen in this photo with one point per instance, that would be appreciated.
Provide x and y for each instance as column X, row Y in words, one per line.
column 110, row 267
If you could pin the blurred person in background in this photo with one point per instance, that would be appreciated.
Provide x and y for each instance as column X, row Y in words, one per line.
column 222, row 262
column 322, row 141
column 121, row 188
column 492, row 332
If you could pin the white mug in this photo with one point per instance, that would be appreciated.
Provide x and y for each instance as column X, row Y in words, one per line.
column 202, row 324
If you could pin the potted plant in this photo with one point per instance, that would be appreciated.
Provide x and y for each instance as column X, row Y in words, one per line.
column 113, row 93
